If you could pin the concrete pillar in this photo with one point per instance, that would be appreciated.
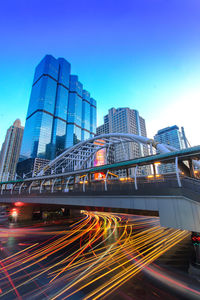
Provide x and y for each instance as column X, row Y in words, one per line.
column 154, row 169
column 89, row 177
column 62, row 183
column 192, row 174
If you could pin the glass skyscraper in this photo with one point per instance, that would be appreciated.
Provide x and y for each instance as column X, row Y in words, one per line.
column 60, row 113
column 173, row 137
column 10, row 151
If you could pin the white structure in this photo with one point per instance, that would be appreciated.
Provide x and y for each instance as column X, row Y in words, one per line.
column 82, row 154
column 10, row 151
column 126, row 120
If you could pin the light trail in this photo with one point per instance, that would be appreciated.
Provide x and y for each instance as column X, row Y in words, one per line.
column 111, row 250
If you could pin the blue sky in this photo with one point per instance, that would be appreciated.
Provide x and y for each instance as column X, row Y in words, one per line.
column 143, row 54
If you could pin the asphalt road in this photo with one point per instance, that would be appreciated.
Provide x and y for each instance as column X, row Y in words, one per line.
column 98, row 256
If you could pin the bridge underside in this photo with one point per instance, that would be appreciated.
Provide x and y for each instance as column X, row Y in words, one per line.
column 174, row 211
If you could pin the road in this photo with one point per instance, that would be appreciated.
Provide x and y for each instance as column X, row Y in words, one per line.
column 99, row 256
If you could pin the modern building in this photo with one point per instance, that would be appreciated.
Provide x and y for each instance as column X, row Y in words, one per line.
column 174, row 137
column 125, row 120
column 10, row 151
column 60, row 113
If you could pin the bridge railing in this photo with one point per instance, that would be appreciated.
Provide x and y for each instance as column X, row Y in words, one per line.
column 146, row 185
column 94, row 186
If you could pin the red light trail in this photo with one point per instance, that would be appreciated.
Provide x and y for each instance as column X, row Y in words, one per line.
column 111, row 250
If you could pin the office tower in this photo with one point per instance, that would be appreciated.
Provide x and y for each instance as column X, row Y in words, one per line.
column 60, row 114
column 173, row 137
column 10, row 151
column 125, row 120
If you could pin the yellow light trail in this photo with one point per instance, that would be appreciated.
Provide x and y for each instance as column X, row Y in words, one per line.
column 112, row 250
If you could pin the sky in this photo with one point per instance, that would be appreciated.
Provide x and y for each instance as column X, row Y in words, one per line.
column 142, row 54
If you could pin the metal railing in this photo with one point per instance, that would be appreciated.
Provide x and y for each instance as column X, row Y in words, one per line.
column 146, row 186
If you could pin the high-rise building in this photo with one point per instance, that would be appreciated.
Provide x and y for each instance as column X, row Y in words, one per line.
column 125, row 120
column 174, row 137
column 60, row 113
column 10, row 151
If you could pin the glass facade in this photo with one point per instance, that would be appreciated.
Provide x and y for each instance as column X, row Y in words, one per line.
column 93, row 118
column 61, row 107
column 173, row 137
column 74, row 114
column 60, row 112
column 85, row 133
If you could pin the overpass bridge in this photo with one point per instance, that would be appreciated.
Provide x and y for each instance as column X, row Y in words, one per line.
column 177, row 207
column 69, row 180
